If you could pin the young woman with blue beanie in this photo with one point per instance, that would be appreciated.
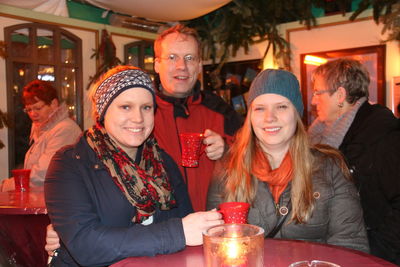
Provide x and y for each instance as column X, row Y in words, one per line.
column 296, row 191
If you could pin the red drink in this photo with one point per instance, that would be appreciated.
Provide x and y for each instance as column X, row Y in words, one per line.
column 21, row 179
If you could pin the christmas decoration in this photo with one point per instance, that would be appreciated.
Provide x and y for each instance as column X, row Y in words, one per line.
column 106, row 56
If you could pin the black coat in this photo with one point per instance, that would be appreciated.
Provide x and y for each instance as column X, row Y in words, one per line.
column 94, row 219
column 372, row 150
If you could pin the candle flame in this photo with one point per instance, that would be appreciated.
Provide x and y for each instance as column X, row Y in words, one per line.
column 233, row 250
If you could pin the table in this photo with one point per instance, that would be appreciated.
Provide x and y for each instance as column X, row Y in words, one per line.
column 277, row 253
column 23, row 221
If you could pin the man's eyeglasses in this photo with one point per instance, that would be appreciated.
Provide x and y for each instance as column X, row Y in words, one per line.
column 320, row 92
column 189, row 59
column 34, row 109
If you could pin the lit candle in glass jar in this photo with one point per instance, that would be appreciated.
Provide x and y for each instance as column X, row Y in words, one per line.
column 235, row 255
column 234, row 252
column 234, row 245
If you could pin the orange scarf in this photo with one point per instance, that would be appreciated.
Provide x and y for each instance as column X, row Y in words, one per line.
column 277, row 179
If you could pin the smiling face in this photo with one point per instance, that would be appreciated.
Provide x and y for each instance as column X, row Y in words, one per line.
column 178, row 76
column 273, row 119
column 129, row 119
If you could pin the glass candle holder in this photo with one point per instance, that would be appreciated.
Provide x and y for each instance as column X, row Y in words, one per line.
column 234, row 245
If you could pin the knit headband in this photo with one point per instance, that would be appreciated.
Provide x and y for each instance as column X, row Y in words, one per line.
column 114, row 85
column 281, row 82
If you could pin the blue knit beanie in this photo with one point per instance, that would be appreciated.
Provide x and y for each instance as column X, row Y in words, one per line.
column 281, row 82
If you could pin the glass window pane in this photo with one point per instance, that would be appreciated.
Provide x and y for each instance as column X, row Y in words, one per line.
column 153, row 77
column 68, row 50
column 68, row 90
column 45, row 45
column 46, row 73
column 20, row 46
column 21, row 76
column 35, row 46
column 149, row 58
column 133, row 56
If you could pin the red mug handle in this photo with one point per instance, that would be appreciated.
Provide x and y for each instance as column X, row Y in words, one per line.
column 203, row 146
column 222, row 213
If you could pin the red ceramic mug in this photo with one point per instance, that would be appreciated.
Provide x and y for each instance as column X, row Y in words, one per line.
column 21, row 179
column 234, row 212
column 192, row 147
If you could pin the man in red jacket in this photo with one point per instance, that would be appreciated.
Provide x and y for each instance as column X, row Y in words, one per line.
column 182, row 107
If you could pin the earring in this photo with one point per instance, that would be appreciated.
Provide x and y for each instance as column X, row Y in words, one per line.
column 340, row 105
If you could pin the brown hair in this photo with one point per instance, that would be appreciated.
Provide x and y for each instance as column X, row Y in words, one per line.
column 180, row 29
column 347, row 73
column 38, row 90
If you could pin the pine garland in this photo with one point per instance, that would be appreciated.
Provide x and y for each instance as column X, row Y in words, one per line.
column 241, row 23
column 106, row 54
column 392, row 23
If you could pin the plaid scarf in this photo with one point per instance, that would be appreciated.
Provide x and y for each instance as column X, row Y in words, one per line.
column 145, row 185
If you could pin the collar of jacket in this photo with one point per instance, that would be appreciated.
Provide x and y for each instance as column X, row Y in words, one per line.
column 58, row 115
column 181, row 104
column 82, row 151
column 371, row 124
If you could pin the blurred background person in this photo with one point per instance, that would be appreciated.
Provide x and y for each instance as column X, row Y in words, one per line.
column 115, row 193
column 296, row 191
column 52, row 128
column 369, row 138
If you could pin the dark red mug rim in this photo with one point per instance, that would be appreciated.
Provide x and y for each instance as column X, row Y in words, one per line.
column 192, row 134
column 20, row 171
column 243, row 206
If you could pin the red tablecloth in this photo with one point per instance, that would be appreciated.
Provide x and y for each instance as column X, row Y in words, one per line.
column 23, row 221
column 277, row 253
column 30, row 202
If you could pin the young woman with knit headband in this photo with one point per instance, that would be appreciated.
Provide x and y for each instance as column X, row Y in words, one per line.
column 296, row 191
column 115, row 193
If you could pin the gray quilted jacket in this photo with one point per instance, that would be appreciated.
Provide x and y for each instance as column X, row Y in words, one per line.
column 337, row 218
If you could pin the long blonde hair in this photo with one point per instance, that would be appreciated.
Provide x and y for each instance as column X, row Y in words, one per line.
column 240, row 184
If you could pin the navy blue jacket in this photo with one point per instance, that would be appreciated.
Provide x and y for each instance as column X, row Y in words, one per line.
column 94, row 219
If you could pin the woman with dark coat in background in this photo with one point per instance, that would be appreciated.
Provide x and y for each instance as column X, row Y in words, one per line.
column 369, row 138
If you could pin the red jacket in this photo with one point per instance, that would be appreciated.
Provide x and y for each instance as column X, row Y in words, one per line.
column 196, row 113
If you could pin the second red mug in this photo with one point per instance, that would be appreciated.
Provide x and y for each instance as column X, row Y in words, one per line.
column 234, row 212
column 192, row 147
